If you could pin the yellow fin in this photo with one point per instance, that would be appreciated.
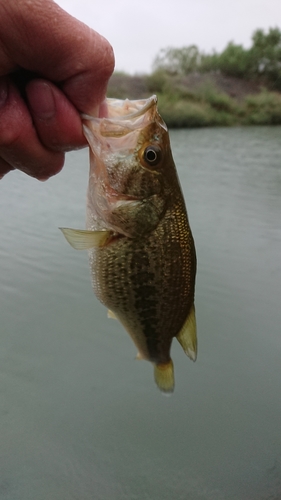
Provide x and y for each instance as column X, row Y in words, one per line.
column 111, row 314
column 81, row 239
column 187, row 336
column 164, row 376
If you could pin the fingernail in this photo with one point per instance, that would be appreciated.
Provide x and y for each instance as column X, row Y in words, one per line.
column 3, row 92
column 41, row 100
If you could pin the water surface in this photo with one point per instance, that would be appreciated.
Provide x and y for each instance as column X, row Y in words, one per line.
column 79, row 417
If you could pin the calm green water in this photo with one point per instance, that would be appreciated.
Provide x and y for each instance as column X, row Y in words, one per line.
column 80, row 419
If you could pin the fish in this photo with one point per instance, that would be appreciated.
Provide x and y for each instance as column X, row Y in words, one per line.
column 141, row 249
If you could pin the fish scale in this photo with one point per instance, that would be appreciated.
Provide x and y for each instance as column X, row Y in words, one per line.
column 141, row 250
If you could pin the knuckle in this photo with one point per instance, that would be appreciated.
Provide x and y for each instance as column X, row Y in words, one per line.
column 9, row 132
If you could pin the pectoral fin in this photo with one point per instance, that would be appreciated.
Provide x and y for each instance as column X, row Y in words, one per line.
column 164, row 376
column 81, row 239
column 187, row 336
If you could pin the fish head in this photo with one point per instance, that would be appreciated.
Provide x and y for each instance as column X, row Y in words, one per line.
column 129, row 155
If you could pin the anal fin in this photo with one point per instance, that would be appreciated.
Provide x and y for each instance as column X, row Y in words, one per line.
column 187, row 336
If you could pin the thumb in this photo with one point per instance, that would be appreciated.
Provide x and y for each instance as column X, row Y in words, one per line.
column 57, row 47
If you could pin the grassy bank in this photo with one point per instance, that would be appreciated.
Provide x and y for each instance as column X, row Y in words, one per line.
column 202, row 100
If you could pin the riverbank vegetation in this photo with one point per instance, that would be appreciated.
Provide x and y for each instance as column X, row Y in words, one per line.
column 235, row 87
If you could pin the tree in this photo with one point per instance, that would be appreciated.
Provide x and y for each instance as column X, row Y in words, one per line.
column 179, row 61
column 234, row 61
column 262, row 60
column 266, row 55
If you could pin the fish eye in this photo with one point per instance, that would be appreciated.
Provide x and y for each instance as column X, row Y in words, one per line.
column 152, row 155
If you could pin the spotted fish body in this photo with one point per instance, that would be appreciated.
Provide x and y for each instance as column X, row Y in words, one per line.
column 143, row 263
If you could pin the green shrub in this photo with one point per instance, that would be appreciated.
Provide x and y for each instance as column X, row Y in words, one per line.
column 184, row 102
column 183, row 113
column 217, row 99
column 157, row 81
column 263, row 108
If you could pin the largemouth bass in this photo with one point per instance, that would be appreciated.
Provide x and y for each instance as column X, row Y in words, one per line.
column 141, row 249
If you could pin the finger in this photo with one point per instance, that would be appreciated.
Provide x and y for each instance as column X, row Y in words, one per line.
column 66, row 51
column 19, row 144
column 57, row 122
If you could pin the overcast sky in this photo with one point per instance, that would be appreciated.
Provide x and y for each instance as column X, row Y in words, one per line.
column 138, row 29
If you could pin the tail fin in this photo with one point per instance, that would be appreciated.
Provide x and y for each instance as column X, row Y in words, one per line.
column 164, row 376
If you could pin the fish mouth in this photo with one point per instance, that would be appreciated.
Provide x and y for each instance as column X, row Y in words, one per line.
column 123, row 117
column 124, row 109
column 129, row 110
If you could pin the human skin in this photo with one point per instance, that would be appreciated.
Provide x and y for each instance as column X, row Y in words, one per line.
column 65, row 67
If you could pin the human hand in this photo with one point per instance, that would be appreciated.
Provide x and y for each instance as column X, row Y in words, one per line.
column 66, row 65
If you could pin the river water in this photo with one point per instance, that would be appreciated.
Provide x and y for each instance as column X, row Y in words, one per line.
column 80, row 419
